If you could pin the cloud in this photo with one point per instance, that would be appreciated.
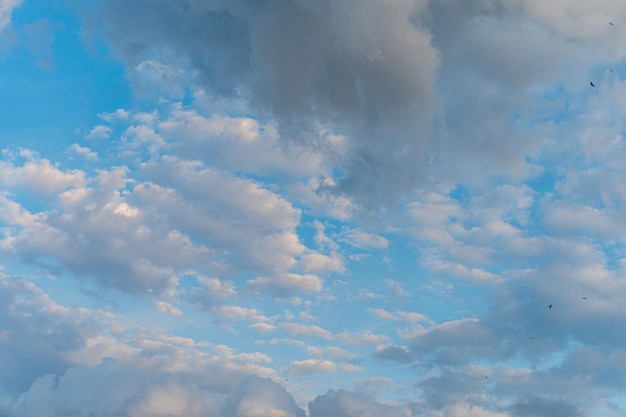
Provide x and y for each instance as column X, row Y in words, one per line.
column 459, row 341
column 367, row 240
column 99, row 132
column 38, row 174
column 393, row 353
column 400, row 315
column 110, row 389
column 398, row 96
column 396, row 289
column 37, row 333
column 113, row 389
column 538, row 406
column 355, row 73
column 260, row 397
column 141, row 239
column 84, row 152
column 344, row 404
column 285, row 285
column 167, row 308
column 6, row 9
column 311, row 366
column 307, row 330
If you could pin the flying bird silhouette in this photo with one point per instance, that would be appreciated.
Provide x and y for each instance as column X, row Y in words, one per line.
column 550, row 306
column 585, row 298
column 592, row 84
column 610, row 23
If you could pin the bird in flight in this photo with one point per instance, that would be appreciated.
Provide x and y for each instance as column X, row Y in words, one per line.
column 550, row 306
column 610, row 23
column 592, row 84
column 584, row 298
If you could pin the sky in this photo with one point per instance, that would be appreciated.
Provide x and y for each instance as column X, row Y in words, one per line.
column 288, row 208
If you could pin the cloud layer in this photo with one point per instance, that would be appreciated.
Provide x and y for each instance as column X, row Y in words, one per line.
column 333, row 208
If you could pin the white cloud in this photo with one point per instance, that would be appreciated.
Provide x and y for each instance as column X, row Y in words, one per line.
column 299, row 329
column 141, row 239
column 6, row 9
column 99, row 132
column 84, row 152
column 38, row 174
column 167, row 308
column 154, row 78
column 367, row 240
column 363, row 337
column 408, row 317
column 317, row 262
column 260, row 397
column 311, row 366
column 117, row 116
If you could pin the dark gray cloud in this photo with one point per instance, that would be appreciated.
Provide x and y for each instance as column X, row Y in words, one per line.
column 425, row 91
column 365, row 69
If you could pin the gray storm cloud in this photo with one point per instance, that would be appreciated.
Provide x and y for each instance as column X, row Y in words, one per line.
column 425, row 91
column 364, row 69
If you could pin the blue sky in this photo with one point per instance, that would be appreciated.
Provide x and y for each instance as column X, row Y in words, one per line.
column 330, row 208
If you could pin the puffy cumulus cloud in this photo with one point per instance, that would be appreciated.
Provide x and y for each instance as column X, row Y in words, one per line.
column 320, row 262
column 99, row 132
column 244, row 144
column 344, row 404
column 211, row 291
column 37, row 174
column 62, row 361
column 226, row 211
column 141, row 237
column 83, row 152
column 260, row 397
column 111, row 389
column 96, row 233
column 228, row 313
column 6, row 9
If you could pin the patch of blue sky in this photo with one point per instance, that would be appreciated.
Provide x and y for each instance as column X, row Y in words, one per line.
column 52, row 89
